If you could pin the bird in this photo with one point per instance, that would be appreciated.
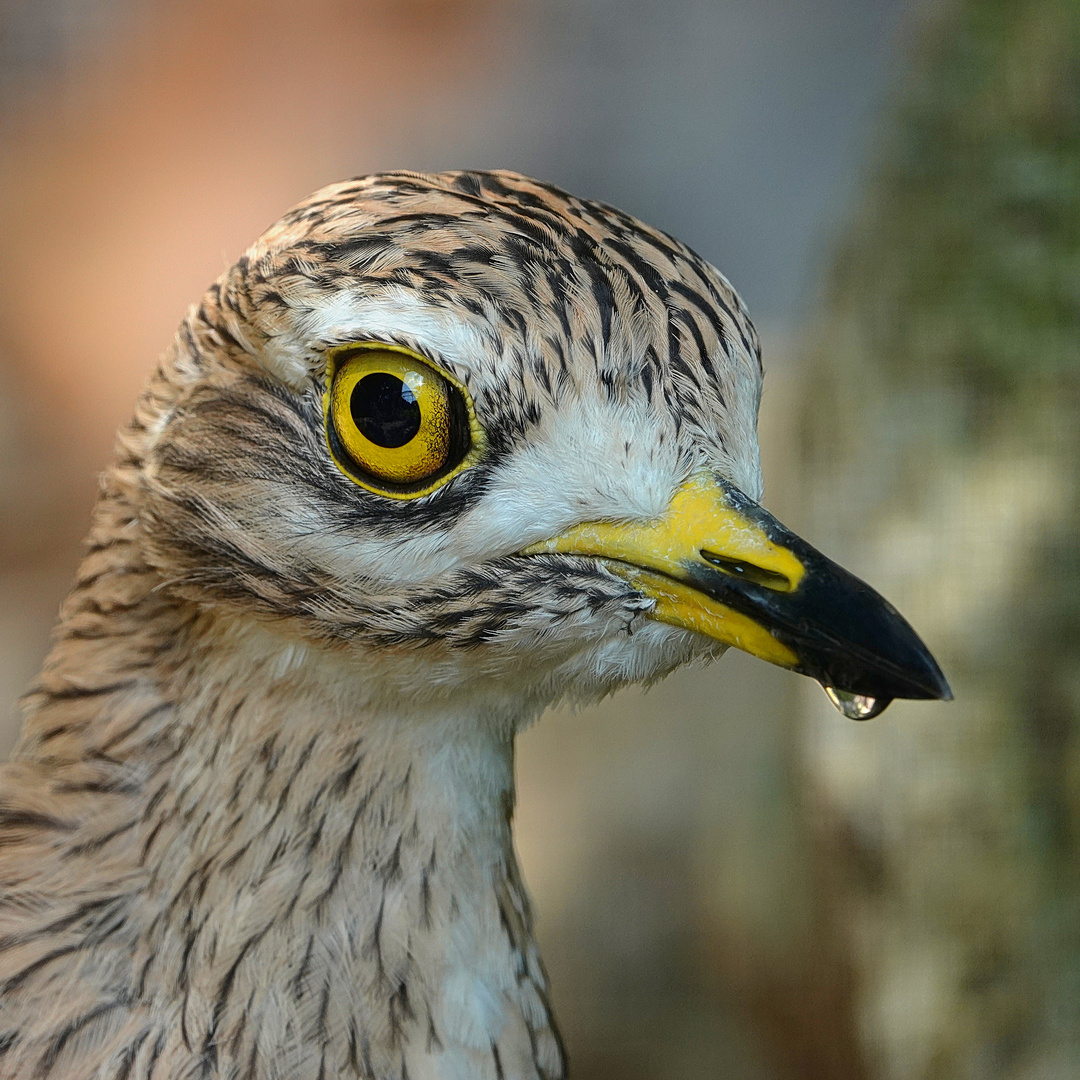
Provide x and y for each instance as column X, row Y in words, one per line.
column 438, row 451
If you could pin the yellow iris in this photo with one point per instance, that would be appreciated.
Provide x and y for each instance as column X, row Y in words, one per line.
column 394, row 421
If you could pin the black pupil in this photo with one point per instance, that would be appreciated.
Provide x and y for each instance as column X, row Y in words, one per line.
column 385, row 410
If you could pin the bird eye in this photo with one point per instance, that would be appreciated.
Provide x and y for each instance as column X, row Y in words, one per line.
column 394, row 423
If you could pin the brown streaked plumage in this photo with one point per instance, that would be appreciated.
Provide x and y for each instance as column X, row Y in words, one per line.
column 258, row 825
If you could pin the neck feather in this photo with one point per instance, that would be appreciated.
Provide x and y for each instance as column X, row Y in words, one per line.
column 258, row 869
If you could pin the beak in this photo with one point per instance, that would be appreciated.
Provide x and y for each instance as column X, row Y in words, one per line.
column 717, row 563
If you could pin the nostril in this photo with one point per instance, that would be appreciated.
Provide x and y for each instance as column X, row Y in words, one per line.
column 748, row 571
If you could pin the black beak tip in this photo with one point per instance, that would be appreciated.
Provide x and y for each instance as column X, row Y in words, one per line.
column 882, row 657
column 942, row 689
column 916, row 662
column 926, row 685
column 919, row 681
column 914, row 671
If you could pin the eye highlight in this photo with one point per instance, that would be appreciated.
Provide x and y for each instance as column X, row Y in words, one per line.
column 394, row 423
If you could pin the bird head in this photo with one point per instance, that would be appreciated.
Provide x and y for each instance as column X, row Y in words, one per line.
column 476, row 436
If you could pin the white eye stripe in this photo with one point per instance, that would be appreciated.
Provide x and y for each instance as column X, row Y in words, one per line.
column 397, row 313
column 394, row 314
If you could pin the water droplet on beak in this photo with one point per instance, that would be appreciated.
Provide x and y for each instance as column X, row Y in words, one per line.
column 856, row 706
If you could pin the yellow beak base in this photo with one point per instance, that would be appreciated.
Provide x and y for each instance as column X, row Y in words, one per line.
column 682, row 605
column 654, row 555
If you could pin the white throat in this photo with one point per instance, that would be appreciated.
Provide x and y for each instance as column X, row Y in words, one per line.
column 341, row 884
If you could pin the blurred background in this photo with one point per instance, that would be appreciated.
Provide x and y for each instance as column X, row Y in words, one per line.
column 731, row 879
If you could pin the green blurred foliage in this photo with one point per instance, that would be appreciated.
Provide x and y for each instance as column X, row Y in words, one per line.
column 943, row 411
column 968, row 261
